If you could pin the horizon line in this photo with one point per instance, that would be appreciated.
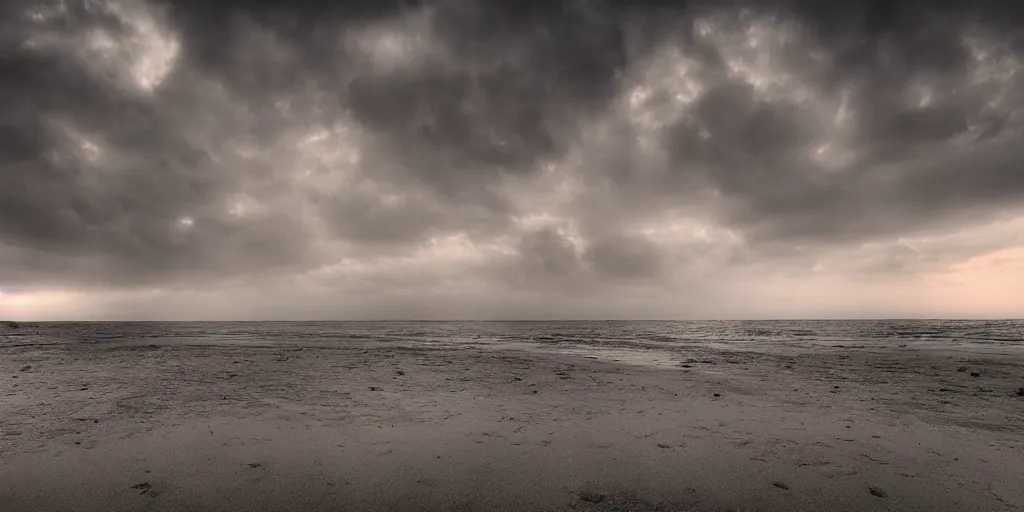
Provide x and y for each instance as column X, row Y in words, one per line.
column 528, row 320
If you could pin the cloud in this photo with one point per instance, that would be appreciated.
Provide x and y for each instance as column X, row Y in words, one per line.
column 624, row 257
column 548, row 255
column 566, row 151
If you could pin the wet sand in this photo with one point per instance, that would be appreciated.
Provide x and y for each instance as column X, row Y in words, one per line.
column 118, row 427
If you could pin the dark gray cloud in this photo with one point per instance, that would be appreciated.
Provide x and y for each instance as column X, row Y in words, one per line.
column 925, row 95
column 562, row 144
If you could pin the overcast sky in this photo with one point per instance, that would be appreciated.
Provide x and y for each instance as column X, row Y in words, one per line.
column 496, row 160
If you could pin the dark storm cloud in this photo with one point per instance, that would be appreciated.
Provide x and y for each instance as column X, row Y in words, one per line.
column 755, row 150
column 477, row 113
column 507, row 91
column 104, row 208
column 188, row 141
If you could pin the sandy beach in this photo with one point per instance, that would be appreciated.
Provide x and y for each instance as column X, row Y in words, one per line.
column 112, row 427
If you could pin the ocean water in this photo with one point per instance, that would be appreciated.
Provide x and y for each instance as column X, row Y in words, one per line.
column 620, row 339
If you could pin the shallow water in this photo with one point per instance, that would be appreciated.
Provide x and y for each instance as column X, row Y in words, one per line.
column 612, row 339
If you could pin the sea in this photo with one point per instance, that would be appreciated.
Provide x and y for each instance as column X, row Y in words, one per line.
column 626, row 341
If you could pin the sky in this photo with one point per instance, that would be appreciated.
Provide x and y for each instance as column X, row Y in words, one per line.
column 462, row 159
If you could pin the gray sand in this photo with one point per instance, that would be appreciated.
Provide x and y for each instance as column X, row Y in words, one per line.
column 224, row 428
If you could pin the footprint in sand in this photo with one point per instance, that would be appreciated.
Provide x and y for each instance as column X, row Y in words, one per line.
column 146, row 489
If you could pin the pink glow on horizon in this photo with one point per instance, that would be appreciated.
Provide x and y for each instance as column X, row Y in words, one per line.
column 38, row 305
column 985, row 286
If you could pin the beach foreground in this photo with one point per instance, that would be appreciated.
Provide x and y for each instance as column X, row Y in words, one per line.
column 117, row 427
